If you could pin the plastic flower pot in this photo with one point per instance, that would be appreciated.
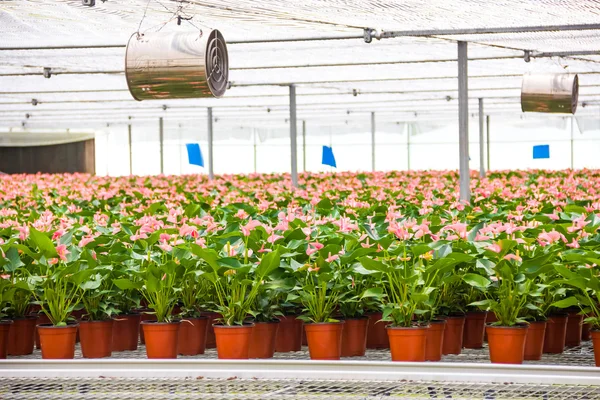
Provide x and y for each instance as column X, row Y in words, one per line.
column 595, row 334
column 42, row 319
column 586, row 332
column 507, row 343
column 534, row 342
column 556, row 332
column 491, row 317
column 144, row 316
column 453, row 334
column 78, row 315
column 408, row 343
column 377, row 337
column 21, row 337
column 96, row 338
column 289, row 334
column 126, row 332
column 354, row 337
column 211, row 342
column 4, row 333
column 192, row 336
column 324, row 340
column 435, row 340
column 161, row 338
column 233, row 342
column 58, row 342
column 574, row 329
column 262, row 343
column 474, row 329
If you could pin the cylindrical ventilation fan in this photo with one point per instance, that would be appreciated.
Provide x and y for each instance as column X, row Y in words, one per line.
column 550, row 93
column 177, row 65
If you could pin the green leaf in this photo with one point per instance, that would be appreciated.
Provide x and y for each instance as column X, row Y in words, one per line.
column 14, row 261
column 566, row 303
column 476, row 280
column 126, row 284
column 43, row 243
column 268, row 264
column 373, row 265
column 208, row 255
column 372, row 292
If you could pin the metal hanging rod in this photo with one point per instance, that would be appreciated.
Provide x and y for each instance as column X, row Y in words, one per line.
column 375, row 34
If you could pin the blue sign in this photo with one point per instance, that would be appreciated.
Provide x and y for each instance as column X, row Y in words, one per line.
column 541, row 151
column 328, row 157
column 194, row 154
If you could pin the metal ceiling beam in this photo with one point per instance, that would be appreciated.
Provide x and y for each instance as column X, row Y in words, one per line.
column 480, row 31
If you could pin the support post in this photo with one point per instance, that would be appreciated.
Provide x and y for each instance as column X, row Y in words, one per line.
column 293, row 136
column 304, row 145
column 130, row 149
column 408, row 129
column 255, row 134
column 211, row 174
column 463, row 122
column 162, row 139
column 572, row 144
column 481, row 141
column 373, row 141
column 487, row 122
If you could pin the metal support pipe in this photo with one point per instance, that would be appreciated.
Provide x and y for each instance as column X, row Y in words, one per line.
column 485, row 31
column 161, row 139
column 255, row 169
column 572, row 144
column 293, row 135
column 373, row 141
column 211, row 174
column 130, row 149
column 463, row 122
column 304, row 145
column 408, row 129
column 487, row 122
column 481, row 141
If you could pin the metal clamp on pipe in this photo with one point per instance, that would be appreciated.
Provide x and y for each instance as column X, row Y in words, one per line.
column 550, row 93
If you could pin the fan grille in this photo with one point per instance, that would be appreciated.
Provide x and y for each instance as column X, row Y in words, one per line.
column 217, row 63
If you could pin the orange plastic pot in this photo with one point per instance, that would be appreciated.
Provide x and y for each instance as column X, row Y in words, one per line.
column 21, row 337
column 211, row 342
column 233, row 342
column 4, row 333
column 586, row 332
column 377, row 337
column 161, row 339
column 126, row 332
column 453, row 335
column 262, row 343
column 144, row 316
column 574, row 329
column 58, row 342
column 474, row 329
column 491, row 317
column 354, row 337
column 556, row 332
column 42, row 319
column 507, row 343
column 534, row 342
column 595, row 334
column 192, row 336
column 289, row 334
column 96, row 338
column 408, row 344
column 325, row 340
column 435, row 340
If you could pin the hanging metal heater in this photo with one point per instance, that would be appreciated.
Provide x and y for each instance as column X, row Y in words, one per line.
column 550, row 93
column 177, row 65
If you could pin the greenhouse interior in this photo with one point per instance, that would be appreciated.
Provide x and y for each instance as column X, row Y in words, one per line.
column 317, row 199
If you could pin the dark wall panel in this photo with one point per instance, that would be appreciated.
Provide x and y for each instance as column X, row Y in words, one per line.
column 68, row 157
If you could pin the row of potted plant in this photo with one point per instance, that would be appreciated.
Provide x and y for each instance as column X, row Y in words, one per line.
column 253, row 252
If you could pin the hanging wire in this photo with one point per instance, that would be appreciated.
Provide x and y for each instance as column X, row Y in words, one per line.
column 143, row 17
